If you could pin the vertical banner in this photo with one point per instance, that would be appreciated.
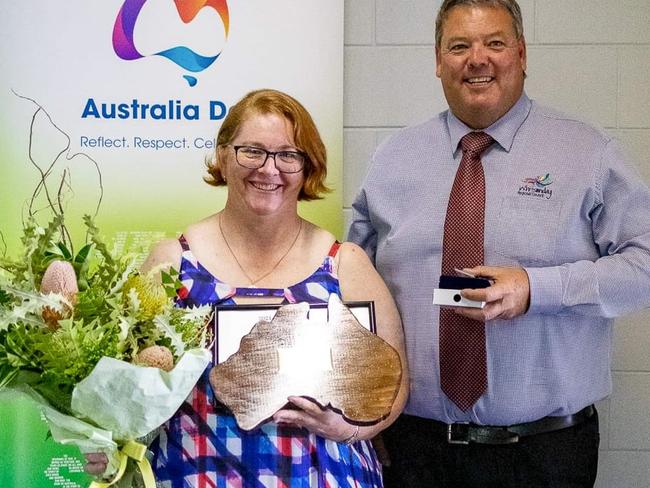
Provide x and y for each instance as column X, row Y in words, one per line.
column 116, row 104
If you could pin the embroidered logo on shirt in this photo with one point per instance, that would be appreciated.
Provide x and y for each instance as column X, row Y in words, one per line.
column 537, row 187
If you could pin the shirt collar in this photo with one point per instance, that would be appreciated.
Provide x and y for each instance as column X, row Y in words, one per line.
column 503, row 130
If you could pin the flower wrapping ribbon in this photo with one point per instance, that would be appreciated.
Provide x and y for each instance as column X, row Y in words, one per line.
column 136, row 451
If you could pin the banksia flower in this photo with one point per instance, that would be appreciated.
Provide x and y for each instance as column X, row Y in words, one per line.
column 156, row 357
column 59, row 278
column 150, row 293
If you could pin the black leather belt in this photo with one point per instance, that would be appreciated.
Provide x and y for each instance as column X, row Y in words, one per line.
column 464, row 433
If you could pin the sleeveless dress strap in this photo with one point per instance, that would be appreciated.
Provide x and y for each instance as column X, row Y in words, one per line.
column 183, row 242
column 334, row 249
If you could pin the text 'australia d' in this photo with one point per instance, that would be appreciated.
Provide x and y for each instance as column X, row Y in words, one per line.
column 136, row 110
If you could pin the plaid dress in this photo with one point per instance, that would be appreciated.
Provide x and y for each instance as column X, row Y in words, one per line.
column 201, row 445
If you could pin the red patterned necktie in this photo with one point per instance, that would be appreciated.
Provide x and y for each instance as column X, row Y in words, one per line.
column 463, row 369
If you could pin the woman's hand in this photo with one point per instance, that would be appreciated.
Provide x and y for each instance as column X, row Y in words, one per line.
column 96, row 463
column 323, row 422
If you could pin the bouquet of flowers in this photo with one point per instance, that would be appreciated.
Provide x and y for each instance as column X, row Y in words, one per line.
column 97, row 344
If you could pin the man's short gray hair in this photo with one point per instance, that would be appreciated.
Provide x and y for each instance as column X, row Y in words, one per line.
column 511, row 6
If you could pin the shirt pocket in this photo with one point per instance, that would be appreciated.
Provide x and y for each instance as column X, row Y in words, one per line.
column 527, row 230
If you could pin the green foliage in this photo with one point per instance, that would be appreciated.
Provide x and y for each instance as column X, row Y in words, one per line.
column 5, row 299
column 117, row 312
column 70, row 353
column 170, row 282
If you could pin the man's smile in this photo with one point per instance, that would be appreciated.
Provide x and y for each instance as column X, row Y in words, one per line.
column 479, row 80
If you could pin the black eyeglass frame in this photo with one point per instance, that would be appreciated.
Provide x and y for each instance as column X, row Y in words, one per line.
column 269, row 154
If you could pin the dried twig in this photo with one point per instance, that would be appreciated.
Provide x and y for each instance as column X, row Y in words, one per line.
column 54, row 204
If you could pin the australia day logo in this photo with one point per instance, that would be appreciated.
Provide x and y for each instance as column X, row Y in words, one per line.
column 184, row 57
column 537, row 187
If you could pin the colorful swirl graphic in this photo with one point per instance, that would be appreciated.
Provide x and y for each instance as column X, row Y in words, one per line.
column 539, row 181
column 183, row 56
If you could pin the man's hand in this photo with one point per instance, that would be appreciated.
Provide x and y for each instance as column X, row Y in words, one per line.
column 508, row 297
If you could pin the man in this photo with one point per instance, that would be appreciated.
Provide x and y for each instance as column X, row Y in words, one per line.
column 563, row 226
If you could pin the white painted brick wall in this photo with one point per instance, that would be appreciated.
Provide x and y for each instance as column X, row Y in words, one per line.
column 587, row 57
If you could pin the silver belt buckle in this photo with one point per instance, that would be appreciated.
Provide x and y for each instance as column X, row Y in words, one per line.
column 458, row 433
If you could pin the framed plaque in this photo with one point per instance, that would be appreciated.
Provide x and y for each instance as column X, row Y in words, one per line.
column 265, row 354
column 232, row 322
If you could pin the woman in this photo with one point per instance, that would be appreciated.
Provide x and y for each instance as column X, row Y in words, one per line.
column 258, row 249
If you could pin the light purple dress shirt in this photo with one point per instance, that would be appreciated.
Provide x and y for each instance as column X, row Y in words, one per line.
column 562, row 202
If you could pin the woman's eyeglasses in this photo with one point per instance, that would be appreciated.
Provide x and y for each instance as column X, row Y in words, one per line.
column 252, row 157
